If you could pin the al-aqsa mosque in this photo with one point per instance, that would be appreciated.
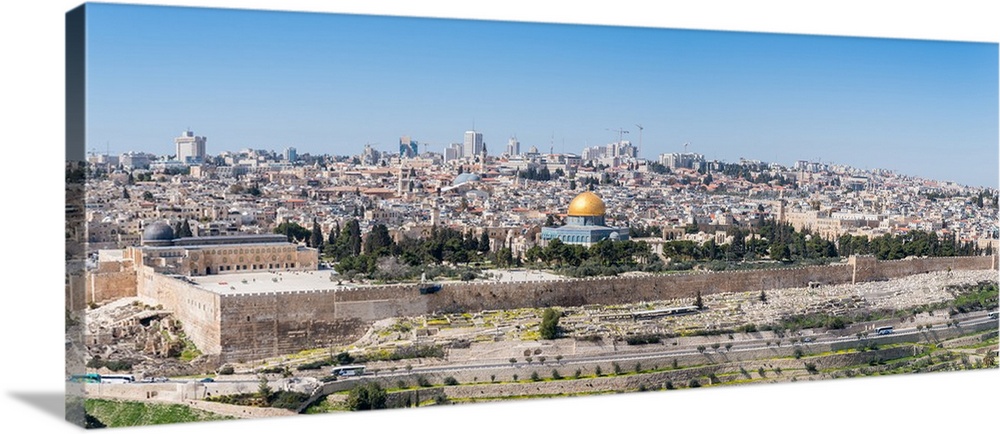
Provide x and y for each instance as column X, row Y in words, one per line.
column 584, row 223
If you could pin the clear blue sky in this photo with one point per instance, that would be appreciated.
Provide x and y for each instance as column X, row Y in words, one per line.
column 327, row 83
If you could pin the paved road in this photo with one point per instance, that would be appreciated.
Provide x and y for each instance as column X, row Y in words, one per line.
column 969, row 319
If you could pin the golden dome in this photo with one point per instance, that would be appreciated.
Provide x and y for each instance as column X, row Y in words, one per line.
column 586, row 204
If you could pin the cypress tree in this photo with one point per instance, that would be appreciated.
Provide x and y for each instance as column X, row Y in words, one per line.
column 316, row 238
column 185, row 230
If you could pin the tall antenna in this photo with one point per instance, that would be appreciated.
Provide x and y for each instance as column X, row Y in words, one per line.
column 638, row 153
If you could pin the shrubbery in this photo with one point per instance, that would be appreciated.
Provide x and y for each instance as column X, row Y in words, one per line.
column 643, row 339
column 114, row 365
column 550, row 324
column 423, row 381
column 366, row 396
column 315, row 365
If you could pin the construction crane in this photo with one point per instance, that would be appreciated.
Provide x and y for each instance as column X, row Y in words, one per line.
column 620, row 132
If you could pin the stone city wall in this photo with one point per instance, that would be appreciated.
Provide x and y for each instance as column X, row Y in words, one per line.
column 110, row 285
column 633, row 289
column 264, row 325
column 245, row 327
column 867, row 268
column 198, row 310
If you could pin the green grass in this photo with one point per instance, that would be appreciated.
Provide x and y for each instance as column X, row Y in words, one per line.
column 322, row 406
column 535, row 396
column 131, row 413
column 190, row 351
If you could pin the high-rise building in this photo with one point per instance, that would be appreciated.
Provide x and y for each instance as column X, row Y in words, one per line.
column 513, row 146
column 453, row 152
column 473, row 144
column 685, row 160
column 408, row 148
column 291, row 154
column 370, row 156
column 135, row 160
column 190, row 148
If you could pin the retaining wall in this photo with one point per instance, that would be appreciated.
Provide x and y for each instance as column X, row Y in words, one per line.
column 198, row 310
column 251, row 326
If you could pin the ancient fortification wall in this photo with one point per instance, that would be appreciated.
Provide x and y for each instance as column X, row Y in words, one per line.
column 285, row 322
column 197, row 309
column 869, row 269
column 617, row 290
column 244, row 327
column 107, row 286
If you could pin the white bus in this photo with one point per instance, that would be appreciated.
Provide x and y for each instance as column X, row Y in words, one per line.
column 118, row 379
column 348, row 370
column 884, row 330
column 994, row 315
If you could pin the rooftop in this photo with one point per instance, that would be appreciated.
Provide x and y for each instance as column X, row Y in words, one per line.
column 264, row 282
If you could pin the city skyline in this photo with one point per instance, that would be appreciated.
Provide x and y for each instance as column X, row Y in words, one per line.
column 328, row 84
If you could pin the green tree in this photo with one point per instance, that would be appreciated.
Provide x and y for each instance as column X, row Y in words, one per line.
column 550, row 324
column 698, row 302
column 293, row 231
column 484, row 241
column 185, row 230
column 349, row 240
column 147, row 196
column 779, row 252
column 263, row 389
column 125, row 194
column 378, row 242
column 332, row 238
column 366, row 396
column 316, row 237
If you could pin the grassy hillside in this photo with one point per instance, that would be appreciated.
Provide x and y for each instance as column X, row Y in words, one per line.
column 130, row 413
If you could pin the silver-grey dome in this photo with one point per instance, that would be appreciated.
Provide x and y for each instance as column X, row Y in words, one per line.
column 465, row 177
column 158, row 231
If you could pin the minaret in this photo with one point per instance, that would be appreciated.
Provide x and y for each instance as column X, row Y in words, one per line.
column 781, row 208
column 482, row 160
column 399, row 189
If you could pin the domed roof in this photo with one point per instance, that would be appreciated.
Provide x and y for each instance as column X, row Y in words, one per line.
column 465, row 177
column 586, row 204
column 158, row 231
